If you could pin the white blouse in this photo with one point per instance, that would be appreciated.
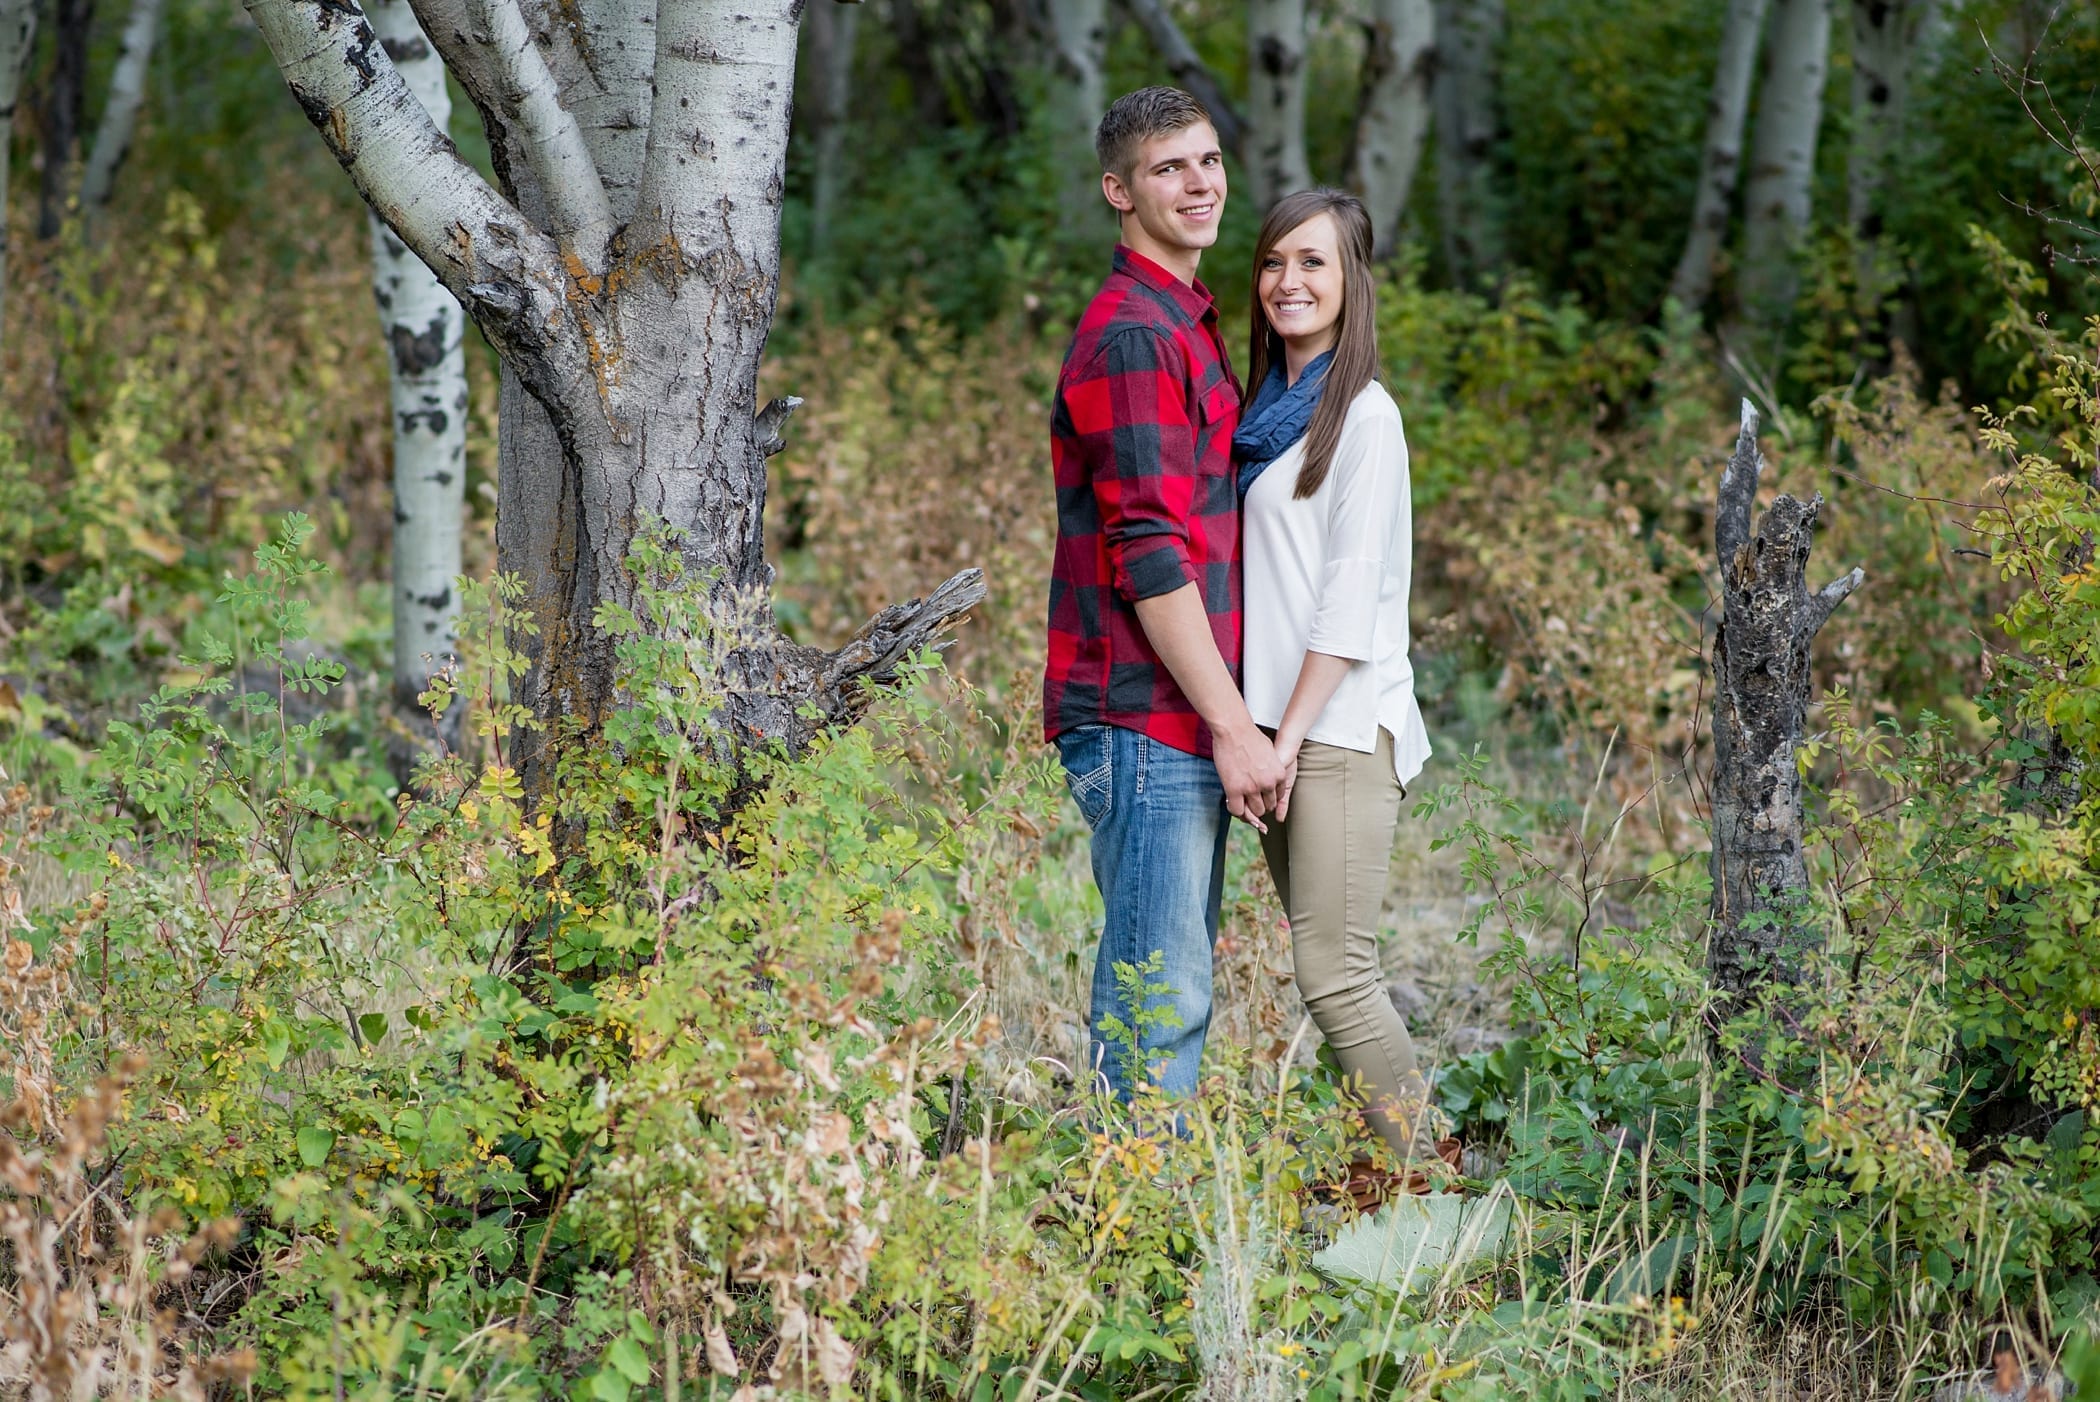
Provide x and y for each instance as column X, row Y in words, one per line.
column 1330, row 574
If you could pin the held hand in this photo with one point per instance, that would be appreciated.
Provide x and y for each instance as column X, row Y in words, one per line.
column 1249, row 771
column 1287, row 754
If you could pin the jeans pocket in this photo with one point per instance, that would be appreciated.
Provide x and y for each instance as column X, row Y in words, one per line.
column 1088, row 753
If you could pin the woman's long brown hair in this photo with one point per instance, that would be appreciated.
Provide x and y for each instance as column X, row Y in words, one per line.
column 1355, row 362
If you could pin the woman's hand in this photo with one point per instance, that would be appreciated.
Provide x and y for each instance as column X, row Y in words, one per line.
column 1287, row 746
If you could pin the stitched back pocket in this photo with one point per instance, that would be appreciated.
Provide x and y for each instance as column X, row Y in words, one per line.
column 1088, row 752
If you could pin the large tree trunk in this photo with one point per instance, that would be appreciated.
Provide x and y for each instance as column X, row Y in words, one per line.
column 1393, row 118
column 120, row 113
column 1777, row 197
column 1189, row 70
column 65, row 106
column 628, row 289
column 1720, row 160
column 1761, row 692
column 425, row 333
column 832, row 32
column 1885, row 38
column 1079, row 55
column 1467, row 94
column 17, row 38
column 1276, row 159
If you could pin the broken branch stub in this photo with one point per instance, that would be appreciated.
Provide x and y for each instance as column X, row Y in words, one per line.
column 1769, row 619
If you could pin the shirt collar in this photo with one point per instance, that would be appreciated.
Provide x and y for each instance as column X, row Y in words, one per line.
column 1195, row 302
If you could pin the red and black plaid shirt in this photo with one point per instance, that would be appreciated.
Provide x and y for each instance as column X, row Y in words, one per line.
column 1141, row 443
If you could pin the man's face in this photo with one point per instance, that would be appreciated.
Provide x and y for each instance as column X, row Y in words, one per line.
column 1175, row 193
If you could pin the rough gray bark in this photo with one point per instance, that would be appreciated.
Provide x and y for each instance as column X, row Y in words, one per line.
column 640, row 349
column 1777, row 196
column 1467, row 95
column 1190, row 71
column 1393, row 119
column 17, row 39
column 832, row 30
column 1761, row 692
column 1275, row 159
column 424, row 332
column 120, row 112
column 1078, row 32
column 1885, row 40
column 1721, row 159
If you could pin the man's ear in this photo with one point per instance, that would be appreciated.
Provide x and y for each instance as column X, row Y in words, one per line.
column 1116, row 193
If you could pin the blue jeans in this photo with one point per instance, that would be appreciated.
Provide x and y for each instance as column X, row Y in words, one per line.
column 1159, row 821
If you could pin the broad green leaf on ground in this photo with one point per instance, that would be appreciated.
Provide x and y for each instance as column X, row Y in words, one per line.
column 1411, row 1241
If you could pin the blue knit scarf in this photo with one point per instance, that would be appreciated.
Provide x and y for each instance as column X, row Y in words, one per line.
column 1277, row 417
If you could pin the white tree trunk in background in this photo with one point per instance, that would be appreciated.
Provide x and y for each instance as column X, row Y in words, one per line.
column 120, row 113
column 1777, row 197
column 1721, row 160
column 1886, row 36
column 627, row 276
column 1189, row 70
column 833, row 30
column 1399, row 59
column 424, row 331
column 1276, row 159
column 17, row 38
column 1467, row 92
column 1079, row 52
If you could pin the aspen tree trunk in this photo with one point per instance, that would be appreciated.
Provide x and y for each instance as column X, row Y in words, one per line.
column 1720, row 160
column 17, row 38
column 1190, row 71
column 1761, row 693
column 627, row 276
column 120, row 113
column 832, row 32
column 1393, row 119
column 1467, row 95
column 1079, row 52
column 1777, row 197
column 64, row 109
column 425, row 334
column 1885, row 40
column 1276, row 159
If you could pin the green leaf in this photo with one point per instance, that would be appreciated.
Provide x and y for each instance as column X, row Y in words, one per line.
column 626, row 1355
column 277, row 1043
column 372, row 1026
column 315, row 1143
column 609, row 1386
column 1412, row 1240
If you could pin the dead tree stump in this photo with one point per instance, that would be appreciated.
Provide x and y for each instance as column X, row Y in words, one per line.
column 1761, row 691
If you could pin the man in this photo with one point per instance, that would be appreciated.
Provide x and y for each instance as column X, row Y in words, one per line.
column 1141, row 692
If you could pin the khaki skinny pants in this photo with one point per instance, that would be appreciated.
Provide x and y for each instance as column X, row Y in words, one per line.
column 1330, row 861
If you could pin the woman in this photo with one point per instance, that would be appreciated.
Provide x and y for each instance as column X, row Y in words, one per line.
column 1326, row 552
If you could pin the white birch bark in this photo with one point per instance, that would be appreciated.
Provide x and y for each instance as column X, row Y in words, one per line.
column 1885, row 41
column 629, row 366
column 120, row 113
column 1190, row 71
column 1467, row 97
column 833, row 31
column 424, row 332
column 1276, row 159
column 1777, row 198
column 1079, row 53
column 17, row 39
column 1399, row 58
column 1721, row 159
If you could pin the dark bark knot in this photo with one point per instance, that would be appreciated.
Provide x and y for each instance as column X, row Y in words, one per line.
column 408, row 50
column 417, row 352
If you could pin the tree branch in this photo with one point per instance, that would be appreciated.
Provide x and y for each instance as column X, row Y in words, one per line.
column 1190, row 71
column 1825, row 601
column 528, row 99
column 1738, row 495
column 505, row 272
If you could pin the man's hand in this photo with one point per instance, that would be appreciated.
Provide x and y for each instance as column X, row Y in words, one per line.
column 1249, row 770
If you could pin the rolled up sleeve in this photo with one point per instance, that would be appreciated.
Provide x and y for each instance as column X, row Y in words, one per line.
column 1368, row 519
column 1131, row 411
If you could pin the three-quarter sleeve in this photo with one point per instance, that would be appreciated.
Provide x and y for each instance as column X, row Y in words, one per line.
column 1129, row 406
column 1367, row 520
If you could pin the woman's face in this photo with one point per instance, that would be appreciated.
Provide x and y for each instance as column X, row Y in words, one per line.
column 1300, row 286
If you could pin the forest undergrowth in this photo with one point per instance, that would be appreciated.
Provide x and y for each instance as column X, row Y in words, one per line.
column 316, row 1087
